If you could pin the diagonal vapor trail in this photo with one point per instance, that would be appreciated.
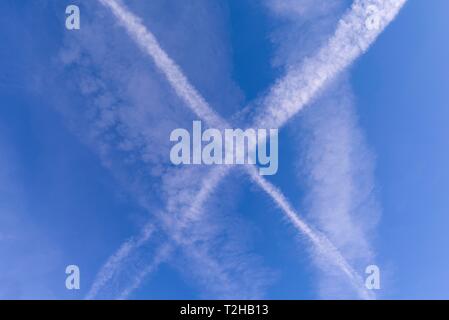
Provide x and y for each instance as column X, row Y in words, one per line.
column 147, row 41
column 288, row 96
column 161, row 255
column 355, row 33
column 115, row 263
column 194, row 101
column 193, row 214
column 116, row 260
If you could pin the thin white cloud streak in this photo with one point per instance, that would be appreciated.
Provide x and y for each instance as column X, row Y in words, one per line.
column 175, row 77
column 323, row 245
column 338, row 170
column 348, row 155
column 186, row 225
column 117, row 260
column 135, row 116
column 180, row 231
column 189, row 231
column 176, row 228
column 350, row 40
column 195, row 210
column 149, row 44
column 335, row 164
column 337, row 193
column 193, row 100
column 161, row 255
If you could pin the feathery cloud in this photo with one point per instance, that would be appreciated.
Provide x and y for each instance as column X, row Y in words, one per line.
column 358, row 17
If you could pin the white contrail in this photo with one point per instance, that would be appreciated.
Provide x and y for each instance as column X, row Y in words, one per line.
column 356, row 31
column 211, row 181
column 148, row 43
column 175, row 228
column 277, row 113
column 323, row 245
column 114, row 263
column 160, row 256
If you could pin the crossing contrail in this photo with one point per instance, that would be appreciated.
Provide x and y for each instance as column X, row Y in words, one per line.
column 175, row 229
column 290, row 95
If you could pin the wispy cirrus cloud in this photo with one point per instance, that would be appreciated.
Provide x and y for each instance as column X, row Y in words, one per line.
column 298, row 79
column 352, row 37
column 335, row 161
column 131, row 136
column 338, row 169
column 358, row 17
column 116, row 261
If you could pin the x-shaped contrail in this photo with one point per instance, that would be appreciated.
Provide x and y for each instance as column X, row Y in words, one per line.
column 354, row 34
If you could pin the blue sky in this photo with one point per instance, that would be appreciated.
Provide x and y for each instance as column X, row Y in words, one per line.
column 84, row 142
